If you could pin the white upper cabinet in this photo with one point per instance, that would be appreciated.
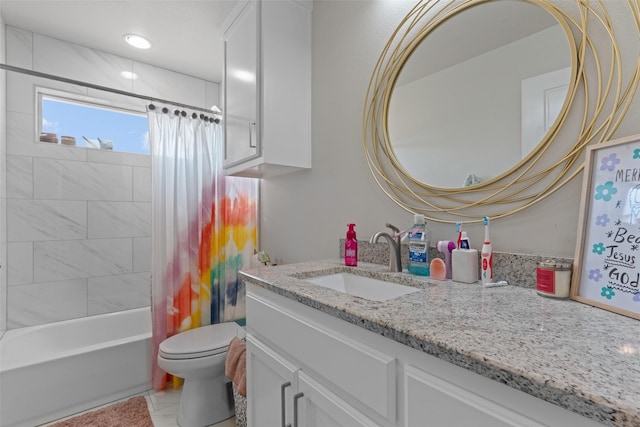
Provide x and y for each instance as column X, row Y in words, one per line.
column 267, row 88
column 241, row 88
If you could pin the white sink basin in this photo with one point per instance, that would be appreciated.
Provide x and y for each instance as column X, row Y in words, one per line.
column 364, row 287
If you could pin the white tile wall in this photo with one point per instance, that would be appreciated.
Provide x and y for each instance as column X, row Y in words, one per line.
column 19, row 177
column 32, row 220
column 19, row 132
column 141, row 254
column 165, row 84
column 71, row 180
column 142, row 184
column 73, row 259
column 39, row 303
column 22, row 88
column 122, row 292
column 118, row 158
column 117, row 100
column 79, row 219
column 20, row 263
column 80, row 63
column 19, row 47
column 18, row 88
column 119, row 219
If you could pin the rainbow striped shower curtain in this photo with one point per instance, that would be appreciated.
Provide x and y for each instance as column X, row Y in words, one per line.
column 204, row 229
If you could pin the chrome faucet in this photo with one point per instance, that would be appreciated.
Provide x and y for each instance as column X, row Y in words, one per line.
column 395, row 261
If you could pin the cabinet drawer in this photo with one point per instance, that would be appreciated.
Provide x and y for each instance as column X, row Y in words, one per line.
column 362, row 372
column 445, row 404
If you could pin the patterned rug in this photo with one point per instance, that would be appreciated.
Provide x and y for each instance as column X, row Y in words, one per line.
column 130, row 413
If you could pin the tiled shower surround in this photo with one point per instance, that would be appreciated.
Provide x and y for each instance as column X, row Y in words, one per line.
column 79, row 238
column 78, row 219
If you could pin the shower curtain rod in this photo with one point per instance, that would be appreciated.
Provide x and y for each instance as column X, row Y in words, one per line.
column 98, row 87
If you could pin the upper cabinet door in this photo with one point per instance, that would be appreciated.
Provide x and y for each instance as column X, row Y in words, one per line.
column 241, row 76
column 267, row 88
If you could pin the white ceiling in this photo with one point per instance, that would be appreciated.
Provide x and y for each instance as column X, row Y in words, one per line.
column 186, row 34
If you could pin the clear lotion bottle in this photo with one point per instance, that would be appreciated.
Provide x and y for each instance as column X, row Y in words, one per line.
column 419, row 247
column 351, row 247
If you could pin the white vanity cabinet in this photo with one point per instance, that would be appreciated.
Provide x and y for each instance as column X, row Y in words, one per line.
column 271, row 386
column 347, row 376
column 267, row 88
column 284, row 395
column 295, row 364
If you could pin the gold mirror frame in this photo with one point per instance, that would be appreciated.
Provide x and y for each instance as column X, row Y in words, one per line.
column 605, row 100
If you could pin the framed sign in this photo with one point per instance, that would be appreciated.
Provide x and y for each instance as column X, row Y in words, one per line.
column 607, row 263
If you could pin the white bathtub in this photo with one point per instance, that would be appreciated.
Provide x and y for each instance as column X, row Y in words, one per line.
column 55, row 370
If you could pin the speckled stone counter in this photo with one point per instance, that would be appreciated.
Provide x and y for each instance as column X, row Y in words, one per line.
column 576, row 356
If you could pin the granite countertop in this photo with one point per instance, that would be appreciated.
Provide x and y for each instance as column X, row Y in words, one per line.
column 579, row 357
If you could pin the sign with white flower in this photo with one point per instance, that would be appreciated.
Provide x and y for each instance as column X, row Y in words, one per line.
column 607, row 262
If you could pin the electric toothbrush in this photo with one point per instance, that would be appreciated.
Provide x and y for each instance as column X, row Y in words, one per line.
column 486, row 255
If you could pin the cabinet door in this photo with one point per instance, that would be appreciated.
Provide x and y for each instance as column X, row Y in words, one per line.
column 241, row 74
column 271, row 383
column 316, row 406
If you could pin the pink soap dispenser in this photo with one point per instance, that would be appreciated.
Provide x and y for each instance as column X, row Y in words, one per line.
column 351, row 247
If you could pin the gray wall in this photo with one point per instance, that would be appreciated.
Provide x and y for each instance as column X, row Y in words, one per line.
column 305, row 213
column 79, row 219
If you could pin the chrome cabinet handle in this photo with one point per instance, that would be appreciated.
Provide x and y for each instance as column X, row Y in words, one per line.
column 251, row 126
column 295, row 408
column 282, row 405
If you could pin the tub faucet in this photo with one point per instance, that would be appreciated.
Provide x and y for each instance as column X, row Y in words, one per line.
column 395, row 261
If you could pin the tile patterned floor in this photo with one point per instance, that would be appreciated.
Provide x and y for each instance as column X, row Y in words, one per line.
column 163, row 407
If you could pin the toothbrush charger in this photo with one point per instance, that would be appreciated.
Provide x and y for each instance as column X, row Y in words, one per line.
column 464, row 263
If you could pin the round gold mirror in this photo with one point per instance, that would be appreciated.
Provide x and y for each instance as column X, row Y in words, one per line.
column 494, row 92
column 444, row 141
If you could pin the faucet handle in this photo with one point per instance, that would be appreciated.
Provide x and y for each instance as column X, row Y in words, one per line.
column 396, row 233
column 393, row 227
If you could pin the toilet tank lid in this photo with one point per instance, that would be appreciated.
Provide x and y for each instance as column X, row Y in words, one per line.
column 202, row 339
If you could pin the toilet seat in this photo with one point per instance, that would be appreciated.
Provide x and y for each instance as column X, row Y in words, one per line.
column 199, row 342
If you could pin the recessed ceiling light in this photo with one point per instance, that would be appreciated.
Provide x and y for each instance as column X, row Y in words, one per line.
column 137, row 41
column 129, row 75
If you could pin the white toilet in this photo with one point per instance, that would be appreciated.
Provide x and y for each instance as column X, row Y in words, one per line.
column 198, row 356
